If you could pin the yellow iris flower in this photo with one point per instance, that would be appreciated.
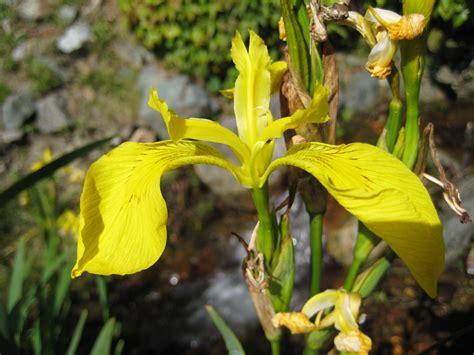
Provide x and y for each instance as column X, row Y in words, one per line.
column 344, row 317
column 124, row 215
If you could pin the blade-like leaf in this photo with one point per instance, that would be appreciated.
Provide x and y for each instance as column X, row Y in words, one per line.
column 76, row 336
column 15, row 288
column 47, row 170
column 231, row 341
column 103, row 343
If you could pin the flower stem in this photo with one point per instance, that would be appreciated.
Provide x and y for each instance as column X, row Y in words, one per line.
column 266, row 233
column 275, row 346
column 316, row 242
column 365, row 243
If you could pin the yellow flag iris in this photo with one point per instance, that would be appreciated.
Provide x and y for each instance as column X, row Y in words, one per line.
column 123, row 213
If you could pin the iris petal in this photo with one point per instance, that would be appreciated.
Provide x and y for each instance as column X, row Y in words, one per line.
column 123, row 214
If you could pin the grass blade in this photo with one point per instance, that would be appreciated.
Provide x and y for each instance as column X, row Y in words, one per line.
column 76, row 336
column 103, row 343
column 231, row 342
column 18, row 276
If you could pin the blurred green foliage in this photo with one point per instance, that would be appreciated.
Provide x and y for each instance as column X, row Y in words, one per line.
column 194, row 36
column 4, row 91
column 43, row 78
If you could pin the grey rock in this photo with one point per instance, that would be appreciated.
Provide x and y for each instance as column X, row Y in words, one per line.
column 21, row 51
column 16, row 109
column 429, row 92
column 32, row 10
column 181, row 95
column 361, row 93
column 75, row 37
column 67, row 13
column 128, row 53
column 52, row 114
column 7, row 137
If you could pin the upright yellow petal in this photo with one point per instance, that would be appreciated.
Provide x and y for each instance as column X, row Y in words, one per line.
column 252, row 87
column 199, row 129
column 123, row 214
column 382, row 193
column 319, row 302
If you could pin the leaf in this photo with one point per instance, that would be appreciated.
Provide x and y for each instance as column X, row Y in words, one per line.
column 123, row 213
column 232, row 343
column 103, row 343
column 48, row 170
column 62, row 289
column 15, row 288
column 383, row 194
column 77, row 334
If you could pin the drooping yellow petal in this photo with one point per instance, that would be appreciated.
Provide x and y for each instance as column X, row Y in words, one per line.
column 123, row 214
column 319, row 302
column 196, row 128
column 347, row 308
column 317, row 112
column 379, row 63
column 383, row 194
column 296, row 322
column 252, row 87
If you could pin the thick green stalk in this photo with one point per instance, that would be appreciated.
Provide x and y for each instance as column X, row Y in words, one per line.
column 266, row 233
column 413, row 64
column 275, row 346
column 316, row 243
column 370, row 278
column 365, row 243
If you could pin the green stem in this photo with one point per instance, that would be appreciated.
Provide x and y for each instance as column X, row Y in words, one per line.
column 394, row 119
column 365, row 243
column 266, row 230
column 316, row 242
column 275, row 346
column 369, row 280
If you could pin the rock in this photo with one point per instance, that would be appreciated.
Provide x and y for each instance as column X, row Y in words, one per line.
column 461, row 82
column 16, row 109
column 360, row 93
column 429, row 92
column 33, row 10
column 181, row 95
column 7, row 137
column 67, row 13
column 128, row 53
column 52, row 114
column 75, row 37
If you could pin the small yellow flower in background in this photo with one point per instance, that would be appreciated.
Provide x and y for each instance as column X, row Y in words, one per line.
column 344, row 317
column 124, row 216
column 382, row 29
column 45, row 159
column 68, row 223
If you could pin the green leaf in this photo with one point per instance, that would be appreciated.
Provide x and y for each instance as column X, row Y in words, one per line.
column 103, row 343
column 231, row 341
column 101, row 283
column 76, row 336
column 62, row 288
column 15, row 288
column 47, row 170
